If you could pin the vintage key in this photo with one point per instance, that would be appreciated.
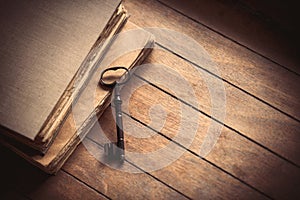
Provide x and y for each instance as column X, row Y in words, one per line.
column 116, row 151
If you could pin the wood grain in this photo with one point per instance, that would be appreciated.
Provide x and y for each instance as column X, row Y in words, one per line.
column 267, row 28
column 188, row 173
column 233, row 153
column 113, row 182
column 237, row 65
column 244, row 113
column 236, row 168
column 55, row 187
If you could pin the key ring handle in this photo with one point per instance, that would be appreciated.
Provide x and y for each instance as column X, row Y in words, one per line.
column 111, row 85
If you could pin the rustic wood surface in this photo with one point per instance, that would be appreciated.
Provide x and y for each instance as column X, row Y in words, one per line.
column 234, row 153
column 260, row 26
column 239, row 66
column 255, row 156
column 194, row 173
column 238, row 105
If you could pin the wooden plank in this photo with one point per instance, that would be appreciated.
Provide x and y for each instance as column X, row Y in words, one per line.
column 64, row 186
column 237, row 65
column 39, row 39
column 115, row 183
column 244, row 113
column 188, row 174
column 266, row 27
column 27, row 182
column 233, row 153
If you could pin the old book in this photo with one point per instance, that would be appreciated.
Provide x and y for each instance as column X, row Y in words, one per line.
column 45, row 46
column 129, row 50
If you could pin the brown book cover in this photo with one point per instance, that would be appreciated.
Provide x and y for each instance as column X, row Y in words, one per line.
column 76, row 126
column 45, row 46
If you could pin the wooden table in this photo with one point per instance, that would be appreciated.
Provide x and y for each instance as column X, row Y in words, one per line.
column 256, row 155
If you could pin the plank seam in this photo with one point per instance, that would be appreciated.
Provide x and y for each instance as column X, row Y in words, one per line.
column 157, row 179
column 227, row 126
column 84, row 183
column 134, row 165
column 227, row 37
column 195, row 154
column 226, row 81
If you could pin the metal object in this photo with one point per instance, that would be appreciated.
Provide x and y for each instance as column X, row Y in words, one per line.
column 116, row 151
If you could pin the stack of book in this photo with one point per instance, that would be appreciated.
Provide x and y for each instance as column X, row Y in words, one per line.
column 50, row 51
